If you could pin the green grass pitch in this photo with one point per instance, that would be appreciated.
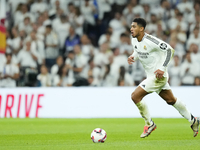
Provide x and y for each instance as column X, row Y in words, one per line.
column 74, row 134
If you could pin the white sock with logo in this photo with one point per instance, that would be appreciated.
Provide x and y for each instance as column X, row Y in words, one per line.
column 181, row 107
column 144, row 111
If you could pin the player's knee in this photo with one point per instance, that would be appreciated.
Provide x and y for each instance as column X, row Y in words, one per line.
column 134, row 97
column 171, row 102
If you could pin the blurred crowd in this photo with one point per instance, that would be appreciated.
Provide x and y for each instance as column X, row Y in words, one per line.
column 53, row 43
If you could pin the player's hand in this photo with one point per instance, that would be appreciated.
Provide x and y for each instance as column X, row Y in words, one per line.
column 130, row 60
column 159, row 74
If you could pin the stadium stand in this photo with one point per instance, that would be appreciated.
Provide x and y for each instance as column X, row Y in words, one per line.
column 87, row 42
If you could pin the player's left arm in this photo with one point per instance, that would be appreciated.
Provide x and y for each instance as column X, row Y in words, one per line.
column 168, row 52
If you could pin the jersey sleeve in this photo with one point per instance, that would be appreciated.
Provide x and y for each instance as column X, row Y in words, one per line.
column 168, row 52
column 134, row 54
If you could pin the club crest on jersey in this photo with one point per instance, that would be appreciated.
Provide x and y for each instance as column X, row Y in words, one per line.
column 145, row 48
column 163, row 46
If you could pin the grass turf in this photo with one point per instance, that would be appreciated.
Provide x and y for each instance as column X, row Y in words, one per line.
column 74, row 134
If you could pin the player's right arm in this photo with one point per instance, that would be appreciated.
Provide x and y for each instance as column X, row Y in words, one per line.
column 132, row 58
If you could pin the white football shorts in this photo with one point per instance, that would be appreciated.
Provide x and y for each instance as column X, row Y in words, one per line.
column 152, row 84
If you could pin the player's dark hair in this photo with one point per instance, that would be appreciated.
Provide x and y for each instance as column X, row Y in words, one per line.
column 140, row 21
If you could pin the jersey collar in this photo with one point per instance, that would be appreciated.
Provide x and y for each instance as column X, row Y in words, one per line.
column 145, row 35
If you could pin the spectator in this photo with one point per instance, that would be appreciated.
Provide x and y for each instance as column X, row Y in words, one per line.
column 39, row 46
column 25, row 25
column 60, row 4
column 9, row 72
column 44, row 78
column 189, row 70
column 92, row 81
column 124, row 77
column 195, row 10
column 38, row 8
column 102, row 57
column 21, row 14
column 40, row 27
column 121, row 82
column 92, row 70
column 14, row 5
column 118, row 26
column 80, row 61
column 105, row 38
column 55, row 68
column 147, row 13
column 62, row 29
column 118, row 61
column 65, row 78
column 108, row 37
column 72, row 40
column 174, row 72
column 136, row 9
column 28, row 56
column 178, row 46
column 104, row 8
column 177, row 24
column 15, row 44
column 86, row 47
column 71, row 13
column 194, row 38
column 118, row 5
column 153, row 3
column 195, row 55
column 88, row 10
column 2, row 58
column 70, row 62
column 128, row 11
column 51, row 44
column 185, row 7
column 46, row 19
column 164, row 10
column 154, row 25
column 77, row 21
column 196, row 22
column 125, row 45
column 108, row 78
column 9, row 37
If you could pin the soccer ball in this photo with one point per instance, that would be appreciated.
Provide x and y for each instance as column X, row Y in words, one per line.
column 98, row 135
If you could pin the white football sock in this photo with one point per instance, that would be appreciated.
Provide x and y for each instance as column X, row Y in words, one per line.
column 181, row 107
column 144, row 111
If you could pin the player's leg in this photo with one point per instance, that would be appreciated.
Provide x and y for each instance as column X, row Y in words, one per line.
column 168, row 96
column 137, row 97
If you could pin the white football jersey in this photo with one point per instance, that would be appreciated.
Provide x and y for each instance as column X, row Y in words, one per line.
column 153, row 53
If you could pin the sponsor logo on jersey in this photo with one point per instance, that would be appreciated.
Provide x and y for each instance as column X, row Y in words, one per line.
column 143, row 55
column 145, row 48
